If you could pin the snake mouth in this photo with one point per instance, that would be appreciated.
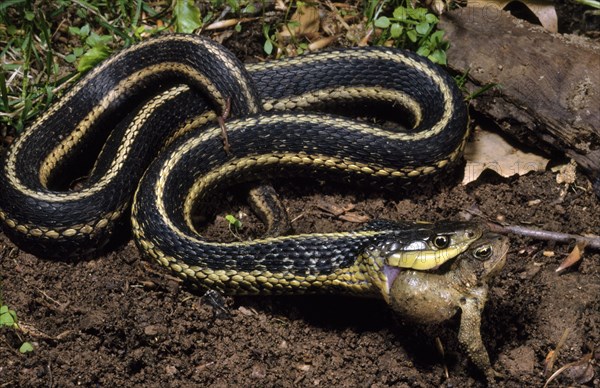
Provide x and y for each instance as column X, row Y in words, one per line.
column 391, row 273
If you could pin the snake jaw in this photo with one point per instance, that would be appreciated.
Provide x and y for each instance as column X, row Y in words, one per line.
column 391, row 273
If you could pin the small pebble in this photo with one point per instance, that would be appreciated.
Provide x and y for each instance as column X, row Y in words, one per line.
column 258, row 371
column 170, row 370
column 245, row 311
column 153, row 330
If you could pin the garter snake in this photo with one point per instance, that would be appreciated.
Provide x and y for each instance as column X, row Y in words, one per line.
column 155, row 95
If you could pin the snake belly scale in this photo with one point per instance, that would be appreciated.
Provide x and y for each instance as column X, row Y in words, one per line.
column 153, row 97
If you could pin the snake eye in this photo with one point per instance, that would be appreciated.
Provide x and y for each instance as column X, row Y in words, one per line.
column 483, row 253
column 441, row 241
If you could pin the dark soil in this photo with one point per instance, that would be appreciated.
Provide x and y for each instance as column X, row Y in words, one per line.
column 121, row 320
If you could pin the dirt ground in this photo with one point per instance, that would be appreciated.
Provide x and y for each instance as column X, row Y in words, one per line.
column 121, row 320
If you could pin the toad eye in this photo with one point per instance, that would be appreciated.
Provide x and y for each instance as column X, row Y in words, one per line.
column 441, row 241
column 483, row 253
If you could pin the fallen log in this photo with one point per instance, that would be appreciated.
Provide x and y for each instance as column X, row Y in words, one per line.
column 549, row 84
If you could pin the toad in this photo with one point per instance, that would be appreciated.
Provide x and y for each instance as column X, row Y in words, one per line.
column 458, row 285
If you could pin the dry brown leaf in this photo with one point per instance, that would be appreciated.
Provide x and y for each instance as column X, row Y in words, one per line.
column 543, row 9
column 545, row 12
column 304, row 22
column 553, row 354
column 573, row 257
column 34, row 332
column 440, row 347
column 581, row 374
column 436, row 6
column 227, row 23
column 343, row 212
column 281, row 5
column 580, row 371
column 321, row 43
column 334, row 209
column 567, row 173
column 490, row 151
column 549, row 362
column 354, row 217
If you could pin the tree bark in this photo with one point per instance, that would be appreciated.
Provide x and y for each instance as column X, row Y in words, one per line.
column 548, row 91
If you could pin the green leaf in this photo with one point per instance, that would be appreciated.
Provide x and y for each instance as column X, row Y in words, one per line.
column 422, row 28
column 396, row 30
column 98, row 40
column 85, row 30
column 49, row 93
column 431, row 18
column 71, row 58
column 234, row 4
column 423, row 51
column 187, row 16
column 382, row 22
column 438, row 56
column 7, row 317
column 92, row 57
column 139, row 31
column 26, row 347
column 74, row 30
column 400, row 14
column 233, row 221
column 82, row 13
column 412, row 35
column 268, row 47
column 437, row 37
column 412, row 13
column 29, row 16
column 4, row 95
column 250, row 8
column 10, row 3
column 420, row 13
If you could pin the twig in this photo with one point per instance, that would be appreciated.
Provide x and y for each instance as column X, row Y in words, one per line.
column 539, row 234
column 51, row 382
column 221, row 119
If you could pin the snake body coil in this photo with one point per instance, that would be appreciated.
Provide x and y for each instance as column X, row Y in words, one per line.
column 162, row 90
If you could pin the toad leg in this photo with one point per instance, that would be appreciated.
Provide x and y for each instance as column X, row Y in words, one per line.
column 469, row 334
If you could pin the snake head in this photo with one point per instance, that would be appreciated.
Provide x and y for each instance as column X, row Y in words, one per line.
column 442, row 243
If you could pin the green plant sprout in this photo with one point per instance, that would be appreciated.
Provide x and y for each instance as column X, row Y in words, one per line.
column 8, row 319
column 233, row 222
